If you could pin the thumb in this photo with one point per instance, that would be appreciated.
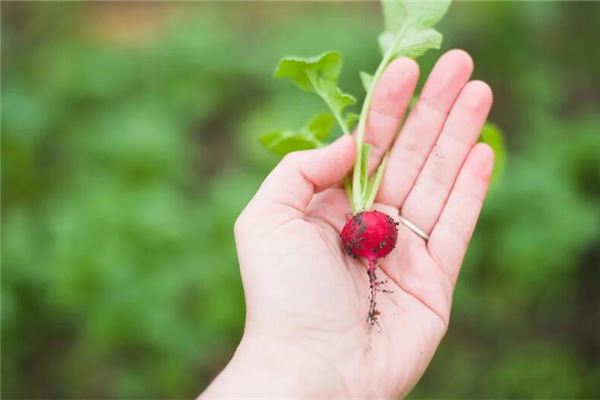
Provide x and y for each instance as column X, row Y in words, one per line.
column 301, row 174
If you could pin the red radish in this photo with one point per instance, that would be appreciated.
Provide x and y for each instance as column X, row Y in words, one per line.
column 371, row 235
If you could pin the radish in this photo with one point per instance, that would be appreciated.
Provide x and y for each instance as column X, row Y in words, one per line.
column 368, row 234
column 371, row 235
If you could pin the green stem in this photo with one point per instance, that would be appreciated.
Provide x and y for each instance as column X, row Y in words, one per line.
column 376, row 182
column 359, row 202
column 348, row 188
column 347, row 183
column 338, row 118
column 343, row 126
column 335, row 113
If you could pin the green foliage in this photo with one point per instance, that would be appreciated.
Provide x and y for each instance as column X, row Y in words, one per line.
column 319, row 75
column 408, row 33
column 308, row 137
column 366, row 79
column 409, row 26
column 351, row 120
column 124, row 166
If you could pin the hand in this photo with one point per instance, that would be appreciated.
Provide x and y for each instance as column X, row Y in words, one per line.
column 306, row 330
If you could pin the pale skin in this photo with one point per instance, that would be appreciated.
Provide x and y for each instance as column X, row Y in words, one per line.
column 306, row 333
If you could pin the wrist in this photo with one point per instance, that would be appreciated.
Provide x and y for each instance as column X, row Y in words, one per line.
column 270, row 367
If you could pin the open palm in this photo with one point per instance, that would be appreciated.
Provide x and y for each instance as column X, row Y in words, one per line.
column 307, row 298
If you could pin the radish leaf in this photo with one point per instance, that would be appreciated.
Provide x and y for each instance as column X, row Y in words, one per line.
column 366, row 80
column 319, row 74
column 308, row 137
column 321, row 125
column 409, row 26
column 283, row 142
column 409, row 31
column 351, row 120
column 326, row 67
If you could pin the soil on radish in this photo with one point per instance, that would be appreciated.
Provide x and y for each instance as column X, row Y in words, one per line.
column 370, row 235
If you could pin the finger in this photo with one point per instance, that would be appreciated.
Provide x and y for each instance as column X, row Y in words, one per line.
column 449, row 240
column 391, row 96
column 423, row 125
column 288, row 189
column 460, row 132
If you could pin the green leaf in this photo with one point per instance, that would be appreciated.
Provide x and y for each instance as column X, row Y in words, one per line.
column 492, row 135
column 336, row 99
column 321, row 125
column 409, row 26
column 366, row 79
column 308, row 137
column 351, row 120
column 318, row 74
column 283, row 142
column 301, row 70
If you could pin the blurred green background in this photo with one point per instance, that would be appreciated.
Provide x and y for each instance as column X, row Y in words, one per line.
column 129, row 145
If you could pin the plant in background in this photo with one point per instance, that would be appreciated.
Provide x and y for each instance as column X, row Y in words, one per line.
column 409, row 32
